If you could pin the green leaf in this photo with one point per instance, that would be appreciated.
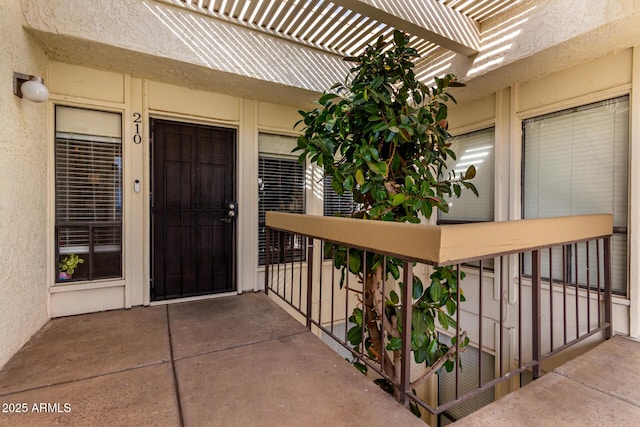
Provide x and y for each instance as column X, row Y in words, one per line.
column 360, row 177
column 409, row 182
column 471, row 187
column 431, row 324
column 433, row 347
column 405, row 134
column 378, row 167
column 379, row 127
column 435, row 291
column 443, row 320
column 419, row 339
column 327, row 97
column 398, row 199
column 393, row 269
column 419, row 320
column 354, row 336
column 449, row 365
column 361, row 367
column 398, row 38
column 356, row 317
column 355, row 262
column 384, row 384
column 418, row 289
column 393, row 296
column 451, row 307
column 395, row 343
column 456, row 190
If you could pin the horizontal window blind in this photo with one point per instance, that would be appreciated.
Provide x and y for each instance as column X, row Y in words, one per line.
column 88, row 185
column 477, row 149
column 575, row 162
column 335, row 204
column 281, row 189
column 339, row 332
column 468, row 381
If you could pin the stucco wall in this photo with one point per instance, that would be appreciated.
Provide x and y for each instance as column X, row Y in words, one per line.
column 23, row 179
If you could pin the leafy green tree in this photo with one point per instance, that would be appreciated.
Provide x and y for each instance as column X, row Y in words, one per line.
column 382, row 136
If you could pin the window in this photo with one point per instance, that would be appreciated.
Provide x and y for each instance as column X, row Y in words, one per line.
column 575, row 162
column 475, row 148
column 468, row 380
column 335, row 204
column 88, row 192
column 281, row 181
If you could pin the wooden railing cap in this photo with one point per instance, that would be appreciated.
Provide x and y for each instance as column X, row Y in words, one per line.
column 446, row 244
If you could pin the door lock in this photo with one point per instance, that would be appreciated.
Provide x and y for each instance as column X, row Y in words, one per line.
column 232, row 211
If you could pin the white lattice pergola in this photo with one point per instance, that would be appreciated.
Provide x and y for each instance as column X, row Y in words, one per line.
column 345, row 27
column 286, row 51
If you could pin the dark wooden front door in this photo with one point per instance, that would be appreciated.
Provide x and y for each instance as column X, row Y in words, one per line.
column 193, row 192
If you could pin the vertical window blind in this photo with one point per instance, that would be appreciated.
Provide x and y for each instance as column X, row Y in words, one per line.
column 88, row 185
column 575, row 162
column 477, row 149
column 281, row 189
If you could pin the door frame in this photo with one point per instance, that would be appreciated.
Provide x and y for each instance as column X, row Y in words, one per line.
column 148, row 172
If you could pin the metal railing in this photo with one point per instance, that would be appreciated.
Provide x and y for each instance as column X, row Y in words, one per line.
column 544, row 285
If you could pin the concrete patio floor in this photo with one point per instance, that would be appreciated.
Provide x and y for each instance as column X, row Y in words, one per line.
column 598, row 388
column 233, row 361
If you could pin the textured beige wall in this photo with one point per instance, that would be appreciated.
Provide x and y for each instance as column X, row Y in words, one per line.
column 23, row 184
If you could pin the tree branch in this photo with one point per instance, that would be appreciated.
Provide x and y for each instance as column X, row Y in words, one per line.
column 433, row 368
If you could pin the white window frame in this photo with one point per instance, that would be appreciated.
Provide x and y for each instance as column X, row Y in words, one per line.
column 275, row 150
column 58, row 253
column 558, row 108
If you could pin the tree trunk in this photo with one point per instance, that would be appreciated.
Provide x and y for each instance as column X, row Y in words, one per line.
column 374, row 302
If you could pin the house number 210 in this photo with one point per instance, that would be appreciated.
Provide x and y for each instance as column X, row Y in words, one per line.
column 137, row 122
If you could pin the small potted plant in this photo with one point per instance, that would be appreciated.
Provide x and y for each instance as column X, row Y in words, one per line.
column 68, row 265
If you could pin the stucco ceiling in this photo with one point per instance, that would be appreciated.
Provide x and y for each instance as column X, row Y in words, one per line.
column 286, row 51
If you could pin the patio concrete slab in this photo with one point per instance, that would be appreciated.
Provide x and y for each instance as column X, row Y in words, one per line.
column 222, row 323
column 289, row 381
column 555, row 400
column 137, row 397
column 598, row 388
column 613, row 369
column 77, row 347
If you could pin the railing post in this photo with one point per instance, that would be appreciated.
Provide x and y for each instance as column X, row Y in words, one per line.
column 309, row 280
column 536, row 320
column 608, row 331
column 267, row 258
column 407, row 304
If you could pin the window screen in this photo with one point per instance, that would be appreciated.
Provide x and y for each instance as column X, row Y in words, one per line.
column 575, row 162
column 88, row 175
column 281, row 182
column 475, row 148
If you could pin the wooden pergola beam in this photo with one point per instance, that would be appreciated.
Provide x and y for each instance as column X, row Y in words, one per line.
column 428, row 19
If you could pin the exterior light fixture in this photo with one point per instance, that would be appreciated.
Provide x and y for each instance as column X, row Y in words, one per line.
column 30, row 87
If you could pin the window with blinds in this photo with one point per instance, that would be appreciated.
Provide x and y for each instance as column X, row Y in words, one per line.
column 88, row 192
column 575, row 162
column 335, row 204
column 281, row 181
column 470, row 361
column 475, row 148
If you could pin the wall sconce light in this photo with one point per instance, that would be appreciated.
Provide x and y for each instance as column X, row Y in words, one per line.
column 30, row 87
